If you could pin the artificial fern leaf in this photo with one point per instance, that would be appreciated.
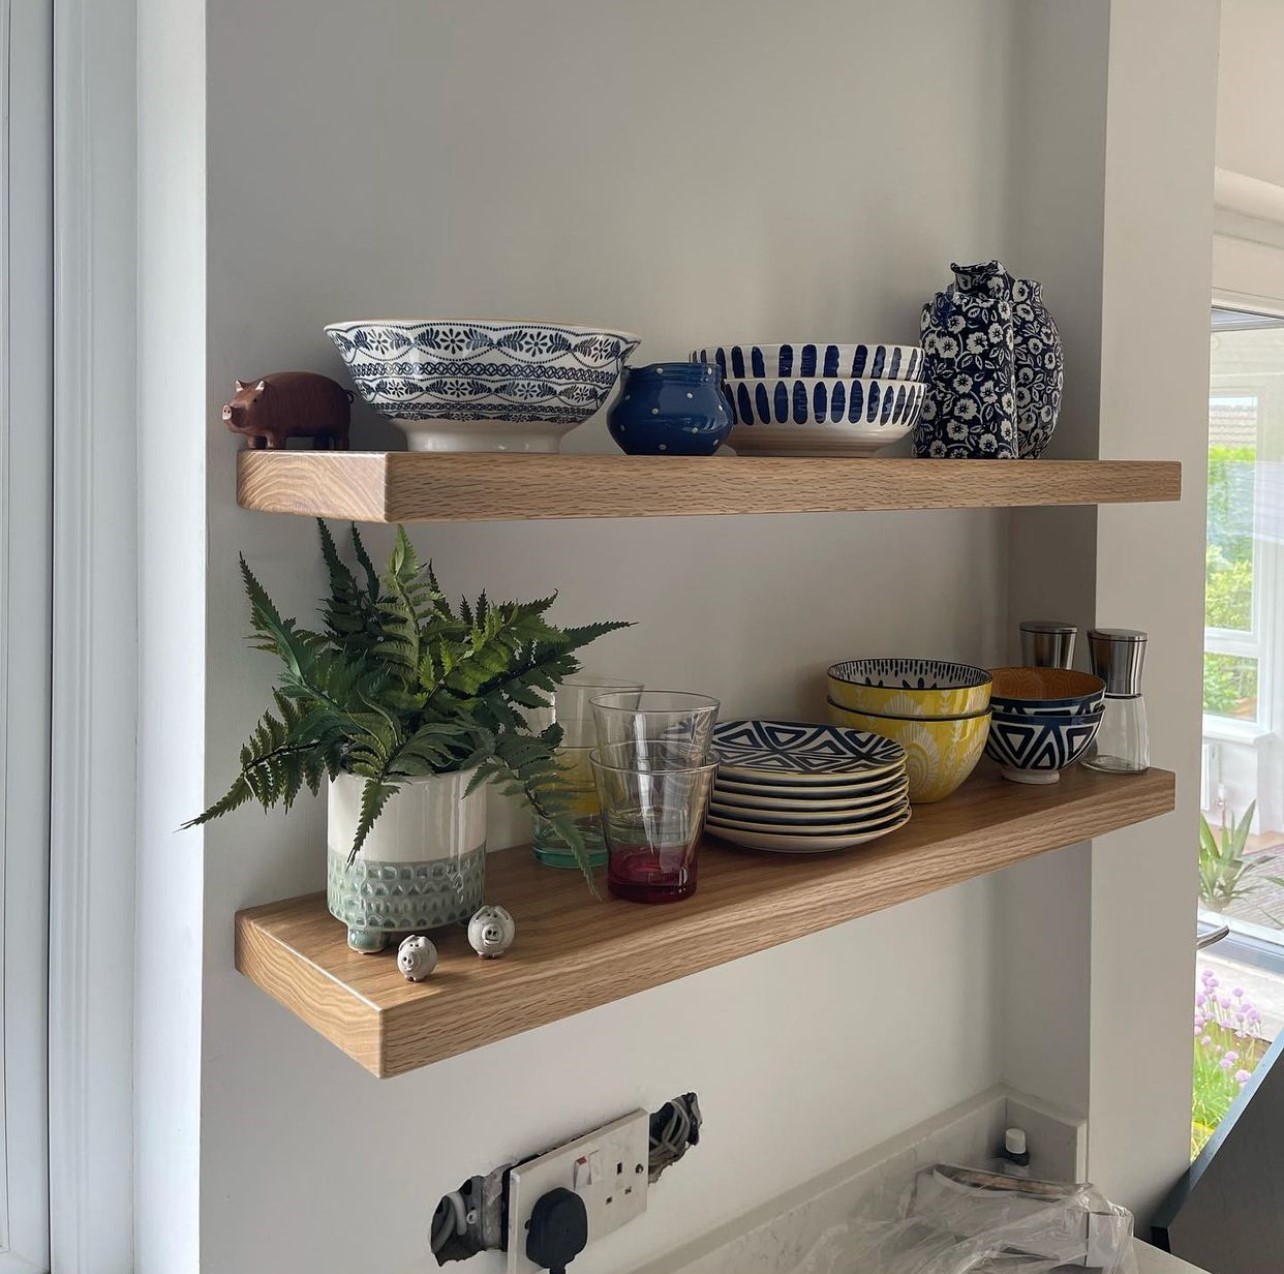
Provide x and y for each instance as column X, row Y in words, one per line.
column 363, row 560
column 374, row 796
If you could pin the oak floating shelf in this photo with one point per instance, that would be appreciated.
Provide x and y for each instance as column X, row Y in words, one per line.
column 574, row 954
column 407, row 486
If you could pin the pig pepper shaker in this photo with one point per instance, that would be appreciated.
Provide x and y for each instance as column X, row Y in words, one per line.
column 290, row 405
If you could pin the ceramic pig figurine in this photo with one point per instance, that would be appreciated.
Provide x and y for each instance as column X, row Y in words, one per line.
column 290, row 405
column 416, row 957
column 491, row 932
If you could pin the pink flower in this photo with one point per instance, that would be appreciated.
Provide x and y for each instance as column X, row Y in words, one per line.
column 1225, row 1063
column 1242, row 1077
column 1232, row 1055
column 1224, row 1001
column 1201, row 998
column 1238, row 992
column 1206, row 1041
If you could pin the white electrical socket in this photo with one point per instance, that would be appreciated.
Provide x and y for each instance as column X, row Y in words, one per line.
column 607, row 1168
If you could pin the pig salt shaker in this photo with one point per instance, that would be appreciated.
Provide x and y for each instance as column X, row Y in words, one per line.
column 416, row 957
column 491, row 932
column 290, row 405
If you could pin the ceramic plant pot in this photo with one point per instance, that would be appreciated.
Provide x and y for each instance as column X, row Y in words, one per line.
column 969, row 411
column 675, row 409
column 1039, row 368
column 422, row 866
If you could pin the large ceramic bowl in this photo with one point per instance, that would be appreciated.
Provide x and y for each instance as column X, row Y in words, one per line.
column 940, row 753
column 1037, row 749
column 816, row 417
column 910, row 687
column 1038, row 692
column 472, row 385
column 809, row 358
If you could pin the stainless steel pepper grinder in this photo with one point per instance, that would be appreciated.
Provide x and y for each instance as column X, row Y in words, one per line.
column 1047, row 643
column 1122, row 745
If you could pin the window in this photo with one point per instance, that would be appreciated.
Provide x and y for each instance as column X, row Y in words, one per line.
column 1239, row 1005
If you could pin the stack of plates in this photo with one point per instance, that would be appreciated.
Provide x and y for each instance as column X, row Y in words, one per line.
column 798, row 788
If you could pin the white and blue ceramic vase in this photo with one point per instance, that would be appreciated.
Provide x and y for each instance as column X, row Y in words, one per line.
column 1039, row 368
column 969, row 410
column 676, row 409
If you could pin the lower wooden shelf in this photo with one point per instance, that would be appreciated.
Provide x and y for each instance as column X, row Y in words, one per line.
column 574, row 954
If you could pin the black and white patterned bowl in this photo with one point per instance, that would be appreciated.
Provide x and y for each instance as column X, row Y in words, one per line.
column 803, row 417
column 810, row 359
column 478, row 385
column 1037, row 749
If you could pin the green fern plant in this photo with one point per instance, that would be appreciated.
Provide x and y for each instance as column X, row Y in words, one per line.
column 401, row 684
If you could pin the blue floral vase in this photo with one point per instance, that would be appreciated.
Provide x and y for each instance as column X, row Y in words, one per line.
column 1039, row 368
column 969, row 410
column 674, row 409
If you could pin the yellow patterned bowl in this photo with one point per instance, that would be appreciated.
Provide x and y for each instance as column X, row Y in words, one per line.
column 940, row 753
column 929, row 688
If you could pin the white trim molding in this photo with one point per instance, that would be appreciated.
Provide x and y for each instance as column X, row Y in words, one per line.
column 95, row 641
column 1248, row 208
column 26, row 301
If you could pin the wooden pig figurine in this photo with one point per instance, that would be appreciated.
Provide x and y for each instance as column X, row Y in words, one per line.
column 290, row 405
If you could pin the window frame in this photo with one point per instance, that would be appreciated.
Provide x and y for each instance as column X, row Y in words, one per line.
column 1268, row 560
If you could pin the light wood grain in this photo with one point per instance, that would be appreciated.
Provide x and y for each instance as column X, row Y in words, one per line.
column 404, row 486
column 574, row 954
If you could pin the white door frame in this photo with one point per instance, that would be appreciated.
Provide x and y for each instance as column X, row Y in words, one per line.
column 95, row 641
column 26, row 430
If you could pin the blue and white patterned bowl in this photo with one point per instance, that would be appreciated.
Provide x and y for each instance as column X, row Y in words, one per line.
column 474, row 385
column 1046, row 692
column 812, row 417
column 808, row 359
column 1037, row 749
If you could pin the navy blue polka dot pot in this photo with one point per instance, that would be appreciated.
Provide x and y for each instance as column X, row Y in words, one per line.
column 671, row 409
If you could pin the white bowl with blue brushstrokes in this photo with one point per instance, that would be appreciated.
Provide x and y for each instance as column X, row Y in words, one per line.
column 815, row 359
column 818, row 417
column 482, row 385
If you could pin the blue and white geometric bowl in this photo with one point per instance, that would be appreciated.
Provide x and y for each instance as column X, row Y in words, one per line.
column 476, row 385
column 814, row 417
column 807, row 359
column 1037, row 749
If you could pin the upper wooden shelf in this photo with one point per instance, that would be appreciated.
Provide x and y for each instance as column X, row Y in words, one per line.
column 408, row 486
column 573, row 954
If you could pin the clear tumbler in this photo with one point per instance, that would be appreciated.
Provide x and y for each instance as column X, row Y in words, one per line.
column 654, row 798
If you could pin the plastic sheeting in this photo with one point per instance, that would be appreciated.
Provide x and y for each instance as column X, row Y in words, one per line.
column 953, row 1220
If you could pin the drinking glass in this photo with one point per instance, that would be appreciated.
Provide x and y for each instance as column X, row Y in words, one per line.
column 654, row 797
column 570, row 709
column 667, row 719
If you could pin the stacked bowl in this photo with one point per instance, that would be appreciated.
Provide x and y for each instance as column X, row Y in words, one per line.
column 806, row 399
column 936, row 710
column 1044, row 720
column 794, row 787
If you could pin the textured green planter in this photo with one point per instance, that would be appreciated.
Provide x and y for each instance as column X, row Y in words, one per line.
column 422, row 866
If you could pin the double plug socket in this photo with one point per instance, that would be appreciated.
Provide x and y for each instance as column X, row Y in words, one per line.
column 607, row 1168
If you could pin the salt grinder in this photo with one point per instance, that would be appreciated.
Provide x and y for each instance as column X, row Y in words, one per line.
column 1047, row 643
column 1122, row 745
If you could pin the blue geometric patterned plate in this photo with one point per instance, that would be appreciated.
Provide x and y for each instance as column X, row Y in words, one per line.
column 802, row 752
